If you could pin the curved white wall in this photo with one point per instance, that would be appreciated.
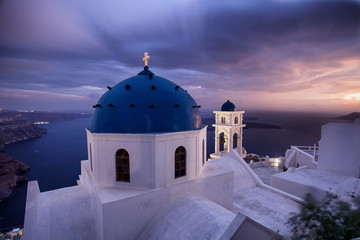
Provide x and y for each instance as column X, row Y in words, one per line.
column 152, row 157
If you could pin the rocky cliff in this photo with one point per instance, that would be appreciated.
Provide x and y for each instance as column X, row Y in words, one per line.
column 12, row 130
column 17, row 126
column 37, row 116
column 9, row 167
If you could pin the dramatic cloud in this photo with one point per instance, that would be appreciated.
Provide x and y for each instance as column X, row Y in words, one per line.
column 263, row 54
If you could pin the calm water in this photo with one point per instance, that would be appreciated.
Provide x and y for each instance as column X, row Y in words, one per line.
column 57, row 161
column 55, row 165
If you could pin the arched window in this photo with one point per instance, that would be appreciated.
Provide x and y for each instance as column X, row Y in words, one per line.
column 221, row 142
column 90, row 158
column 180, row 162
column 122, row 166
column 235, row 140
column 203, row 152
column 236, row 120
column 222, row 119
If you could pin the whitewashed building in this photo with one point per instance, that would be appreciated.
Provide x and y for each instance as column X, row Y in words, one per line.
column 337, row 170
column 146, row 177
column 228, row 130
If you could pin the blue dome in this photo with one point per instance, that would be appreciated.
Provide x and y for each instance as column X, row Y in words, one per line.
column 145, row 103
column 228, row 106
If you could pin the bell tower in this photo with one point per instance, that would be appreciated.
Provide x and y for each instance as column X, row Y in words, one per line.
column 228, row 130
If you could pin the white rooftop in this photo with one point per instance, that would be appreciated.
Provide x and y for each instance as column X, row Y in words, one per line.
column 263, row 204
column 266, row 172
column 267, row 208
column 189, row 217
column 67, row 213
column 69, row 205
column 327, row 181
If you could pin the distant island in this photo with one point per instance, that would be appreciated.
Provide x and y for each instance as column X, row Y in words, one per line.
column 21, row 125
column 18, row 126
column 349, row 117
column 247, row 121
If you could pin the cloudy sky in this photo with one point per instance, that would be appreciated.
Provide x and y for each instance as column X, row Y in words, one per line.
column 265, row 55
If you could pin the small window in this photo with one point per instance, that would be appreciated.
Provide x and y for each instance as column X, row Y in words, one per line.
column 203, row 152
column 122, row 166
column 222, row 119
column 180, row 162
column 236, row 120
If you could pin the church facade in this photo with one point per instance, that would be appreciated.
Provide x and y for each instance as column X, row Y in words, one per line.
column 146, row 176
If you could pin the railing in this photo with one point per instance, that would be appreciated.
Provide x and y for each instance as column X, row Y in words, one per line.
column 312, row 150
column 299, row 156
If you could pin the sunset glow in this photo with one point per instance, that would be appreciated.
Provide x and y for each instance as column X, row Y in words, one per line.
column 265, row 55
column 355, row 96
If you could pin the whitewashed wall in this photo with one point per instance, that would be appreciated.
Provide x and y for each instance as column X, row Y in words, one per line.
column 152, row 157
column 338, row 148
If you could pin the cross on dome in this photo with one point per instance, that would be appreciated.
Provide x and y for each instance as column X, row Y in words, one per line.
column 146, row 58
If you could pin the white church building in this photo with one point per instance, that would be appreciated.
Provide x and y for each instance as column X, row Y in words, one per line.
column 228, row 130
column 147, row 177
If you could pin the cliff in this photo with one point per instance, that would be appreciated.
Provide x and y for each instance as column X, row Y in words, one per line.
column 9, row 167
column 17, row 126
column 37, row 116
column 12, row 130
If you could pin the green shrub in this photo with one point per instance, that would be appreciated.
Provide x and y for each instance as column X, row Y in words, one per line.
column 327, row 219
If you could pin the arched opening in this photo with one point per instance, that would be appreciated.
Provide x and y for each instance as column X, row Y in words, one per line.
column 236, row 120
column 223, row 120
column 203, row 151
column 180, row 162
column 235, row 140
column 221, row 142
column 122, row 166
column 91, row 167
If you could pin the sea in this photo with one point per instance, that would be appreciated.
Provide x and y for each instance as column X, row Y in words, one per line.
column 55, row 157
